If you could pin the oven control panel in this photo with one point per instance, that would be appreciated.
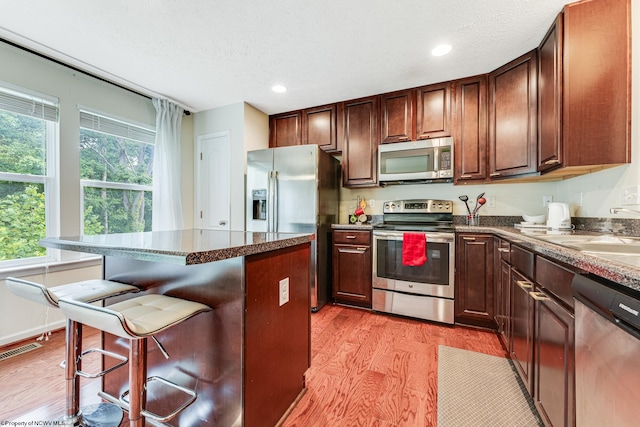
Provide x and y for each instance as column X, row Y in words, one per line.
column 418, row 206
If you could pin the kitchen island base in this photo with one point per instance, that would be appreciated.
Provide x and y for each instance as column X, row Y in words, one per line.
column 247, row 358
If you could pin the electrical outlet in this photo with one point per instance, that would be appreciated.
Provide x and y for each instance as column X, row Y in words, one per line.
column 491, row 201
column 631, row 196
column 546, row 200
column 284, row 291
column 372, row 203
column 579, row 199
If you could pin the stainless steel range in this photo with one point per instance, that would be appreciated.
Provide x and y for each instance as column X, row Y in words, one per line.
column 423, row 291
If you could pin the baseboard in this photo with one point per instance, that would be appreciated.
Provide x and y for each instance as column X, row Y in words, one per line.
column 30, row 333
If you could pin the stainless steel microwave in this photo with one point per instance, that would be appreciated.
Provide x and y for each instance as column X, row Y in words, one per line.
column 429, row 160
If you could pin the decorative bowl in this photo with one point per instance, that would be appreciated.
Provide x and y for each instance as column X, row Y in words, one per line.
column 535, row 219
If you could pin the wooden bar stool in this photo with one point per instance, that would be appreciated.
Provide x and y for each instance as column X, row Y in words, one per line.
column 87, row 291
column 136, row 319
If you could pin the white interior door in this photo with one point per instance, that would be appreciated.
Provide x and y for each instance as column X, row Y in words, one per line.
column 213, row 203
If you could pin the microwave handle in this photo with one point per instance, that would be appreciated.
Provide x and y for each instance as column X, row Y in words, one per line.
column 436, row 159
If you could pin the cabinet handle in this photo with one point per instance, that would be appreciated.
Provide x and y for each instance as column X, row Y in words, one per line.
column 465, row 176
column 552, row 162
column 354, row 251
column 470, row 239
column 350, row 237
column 495, row 174
column 524, row 285
column 503, row 250
column 538, row 296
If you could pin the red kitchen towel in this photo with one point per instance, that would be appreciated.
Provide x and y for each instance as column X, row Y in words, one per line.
column 414, row 249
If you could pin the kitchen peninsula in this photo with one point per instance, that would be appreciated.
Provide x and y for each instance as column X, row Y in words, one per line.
column 247, row 357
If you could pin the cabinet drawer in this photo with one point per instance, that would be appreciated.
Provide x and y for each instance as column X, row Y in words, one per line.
column 522, row 260
column 352, row 237
column 504, row 249
column 555, row 279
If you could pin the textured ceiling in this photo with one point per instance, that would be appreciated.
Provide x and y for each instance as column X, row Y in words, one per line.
column 205, row 54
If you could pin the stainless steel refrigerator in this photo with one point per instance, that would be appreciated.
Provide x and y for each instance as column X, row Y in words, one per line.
column 296, row 190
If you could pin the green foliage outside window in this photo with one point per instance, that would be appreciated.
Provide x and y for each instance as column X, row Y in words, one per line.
column 22, row 220
column 103, row 158
column 114, row 159
column 22, row 223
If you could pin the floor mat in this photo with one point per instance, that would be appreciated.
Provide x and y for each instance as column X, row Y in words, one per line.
column 476, row 389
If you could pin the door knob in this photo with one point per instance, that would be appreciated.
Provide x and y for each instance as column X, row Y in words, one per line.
column 223, row 222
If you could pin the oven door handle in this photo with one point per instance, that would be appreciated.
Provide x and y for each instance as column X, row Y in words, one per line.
column 431, row 237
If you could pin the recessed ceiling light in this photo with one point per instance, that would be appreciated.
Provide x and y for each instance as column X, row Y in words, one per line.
column 278, row 88
column 441, row 49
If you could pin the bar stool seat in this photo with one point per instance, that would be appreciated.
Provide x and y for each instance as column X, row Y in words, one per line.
column 137, row 319
column 87, row 291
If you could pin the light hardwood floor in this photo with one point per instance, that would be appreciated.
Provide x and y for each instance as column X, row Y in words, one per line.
column 367, row 369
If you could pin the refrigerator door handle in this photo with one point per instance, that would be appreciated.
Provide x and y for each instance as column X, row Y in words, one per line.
column 269, row 202
column 275, row 202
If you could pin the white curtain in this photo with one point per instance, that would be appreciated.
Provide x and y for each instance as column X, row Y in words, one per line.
column 167, row 204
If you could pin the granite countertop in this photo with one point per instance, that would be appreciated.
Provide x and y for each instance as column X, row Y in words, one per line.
column 356, row 226
column 185, row 247
column 622, row 269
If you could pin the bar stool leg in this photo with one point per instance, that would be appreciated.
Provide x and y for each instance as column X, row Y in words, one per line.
column 137, row 381
column 73, row 349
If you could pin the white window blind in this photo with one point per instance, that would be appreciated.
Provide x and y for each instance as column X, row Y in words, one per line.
column 99, row 123
column 28, row 103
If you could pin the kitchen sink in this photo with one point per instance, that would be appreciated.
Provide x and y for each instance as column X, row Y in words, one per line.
column 608, row 248
column 603, row 244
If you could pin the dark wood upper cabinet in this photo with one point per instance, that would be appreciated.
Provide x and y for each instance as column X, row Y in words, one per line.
column 433, row 111
column 285, row 129
column 470, row 129
column 597, row 83
column 319, row 126
column 360, row 137
column 398, row 116
column 561, row 110
column 512, row 118
column 550, row 98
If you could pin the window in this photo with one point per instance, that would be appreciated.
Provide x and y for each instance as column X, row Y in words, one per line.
column 28, row 141
column 116, row 165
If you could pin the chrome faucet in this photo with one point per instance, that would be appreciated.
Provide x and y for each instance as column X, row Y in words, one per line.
column 621, row 210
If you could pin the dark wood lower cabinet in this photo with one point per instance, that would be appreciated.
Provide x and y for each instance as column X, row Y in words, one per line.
column 503, row 305
column 522, row 327
column 502, row 280
column 352, row 268
column 554, row 362
column 528, row 299
column 474, row 299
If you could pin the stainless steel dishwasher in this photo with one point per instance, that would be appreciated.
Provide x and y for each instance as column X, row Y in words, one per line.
column 607, row 353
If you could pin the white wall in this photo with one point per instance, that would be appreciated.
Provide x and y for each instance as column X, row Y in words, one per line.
column 249, row 130
column 256, row 131
column 511, row 199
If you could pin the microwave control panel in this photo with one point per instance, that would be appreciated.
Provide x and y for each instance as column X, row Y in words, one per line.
column 445, row 168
